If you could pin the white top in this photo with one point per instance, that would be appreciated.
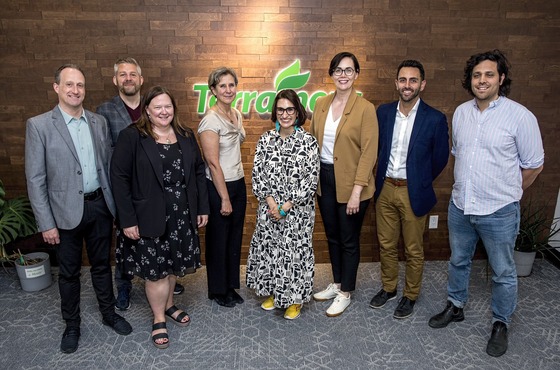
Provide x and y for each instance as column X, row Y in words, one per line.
column 399, row 145
column 328, row 138
column 230, row 138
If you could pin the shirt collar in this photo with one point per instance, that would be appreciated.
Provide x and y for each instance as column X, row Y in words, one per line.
column 413, row 110
column 493, row 103
column 68, row 118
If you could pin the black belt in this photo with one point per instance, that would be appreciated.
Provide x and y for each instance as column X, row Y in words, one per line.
column 93, row 195
column 396, row 182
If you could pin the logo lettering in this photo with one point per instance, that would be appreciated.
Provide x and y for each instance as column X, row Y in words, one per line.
column 288, row 78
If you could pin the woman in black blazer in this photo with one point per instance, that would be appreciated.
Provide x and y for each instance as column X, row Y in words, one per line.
column 158, row 181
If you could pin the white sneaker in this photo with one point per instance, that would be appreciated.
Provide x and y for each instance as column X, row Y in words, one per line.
column 329, row 293
column 339, row 305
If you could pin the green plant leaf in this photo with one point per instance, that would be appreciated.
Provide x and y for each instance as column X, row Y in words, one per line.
column 2, row 194
column 294, row 82
column 16, row 220
column 291, row 70
column 535, row 228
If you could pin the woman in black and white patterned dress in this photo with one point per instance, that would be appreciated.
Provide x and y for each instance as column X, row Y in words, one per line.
column 285, row 175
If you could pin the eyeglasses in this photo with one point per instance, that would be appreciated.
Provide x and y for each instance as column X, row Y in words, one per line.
column 290, row 110
column 347, row 71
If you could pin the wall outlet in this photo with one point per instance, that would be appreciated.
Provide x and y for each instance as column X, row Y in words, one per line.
column 433, row 222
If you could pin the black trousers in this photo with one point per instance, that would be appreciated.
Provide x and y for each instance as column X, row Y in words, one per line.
column 342, row 231
column 224, row 235
column 95, row 229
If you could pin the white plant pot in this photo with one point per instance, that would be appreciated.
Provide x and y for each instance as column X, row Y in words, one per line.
column 35, row 277
column 524, row 262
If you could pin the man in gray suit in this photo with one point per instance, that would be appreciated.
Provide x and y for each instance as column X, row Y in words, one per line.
column 67, row 154
column 120, row 112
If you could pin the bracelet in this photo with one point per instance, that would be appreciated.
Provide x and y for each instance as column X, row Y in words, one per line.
column 282, row 212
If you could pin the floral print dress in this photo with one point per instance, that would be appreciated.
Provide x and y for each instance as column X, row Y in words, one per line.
column 176, row 252
column 281, row 262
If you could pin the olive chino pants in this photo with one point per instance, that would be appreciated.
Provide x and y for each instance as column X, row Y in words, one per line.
column 394, row 216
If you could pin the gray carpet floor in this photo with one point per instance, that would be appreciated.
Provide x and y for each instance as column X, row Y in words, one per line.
column 246, row 337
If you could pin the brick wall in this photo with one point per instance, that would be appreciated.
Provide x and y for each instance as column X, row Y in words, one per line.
column 178, row 42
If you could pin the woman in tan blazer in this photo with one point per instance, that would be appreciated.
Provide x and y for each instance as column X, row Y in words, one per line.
column 345, row 125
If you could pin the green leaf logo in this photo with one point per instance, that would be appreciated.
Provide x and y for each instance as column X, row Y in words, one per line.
column 291, row 78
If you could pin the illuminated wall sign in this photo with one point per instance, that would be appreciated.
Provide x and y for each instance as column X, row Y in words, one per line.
column 288, row 78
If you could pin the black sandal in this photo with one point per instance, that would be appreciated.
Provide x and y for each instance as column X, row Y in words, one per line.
column 179, row 319
column 157, row 326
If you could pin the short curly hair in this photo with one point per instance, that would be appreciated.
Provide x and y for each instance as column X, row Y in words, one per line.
column 503, row 69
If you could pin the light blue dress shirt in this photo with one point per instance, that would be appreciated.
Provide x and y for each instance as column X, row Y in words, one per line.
column 490, row 148
column 81, row 136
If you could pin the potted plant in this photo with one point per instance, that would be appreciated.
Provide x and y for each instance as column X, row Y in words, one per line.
column 535, row 229
column 16, row 221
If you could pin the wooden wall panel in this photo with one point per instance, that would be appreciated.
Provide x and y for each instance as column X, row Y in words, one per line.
column 178, row 42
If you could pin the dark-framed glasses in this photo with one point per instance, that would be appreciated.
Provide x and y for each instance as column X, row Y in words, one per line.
column 290, row 110
column 347, row 71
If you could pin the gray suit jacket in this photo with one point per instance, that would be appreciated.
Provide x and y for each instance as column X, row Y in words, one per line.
column 116, row 115
column 54, row 173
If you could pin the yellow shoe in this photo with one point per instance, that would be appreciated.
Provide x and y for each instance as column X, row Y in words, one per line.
column 268, row 304
column 293, row 312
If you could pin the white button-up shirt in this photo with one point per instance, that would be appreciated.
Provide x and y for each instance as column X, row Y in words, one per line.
column 399, row 144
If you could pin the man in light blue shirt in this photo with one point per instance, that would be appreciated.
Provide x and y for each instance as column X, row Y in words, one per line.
column 81, row 137
column 67, row 154
column 498, row 153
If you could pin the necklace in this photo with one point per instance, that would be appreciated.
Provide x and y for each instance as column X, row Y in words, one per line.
column 227, row 115
column 167, row 140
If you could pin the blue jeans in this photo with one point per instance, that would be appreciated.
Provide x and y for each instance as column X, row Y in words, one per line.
column 123, row 281
column 498, row 232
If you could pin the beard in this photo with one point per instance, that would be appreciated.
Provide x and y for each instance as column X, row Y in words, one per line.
column 129, row 90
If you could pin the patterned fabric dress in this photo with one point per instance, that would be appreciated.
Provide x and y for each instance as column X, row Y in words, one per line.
column 176, row 252
column 281, row 261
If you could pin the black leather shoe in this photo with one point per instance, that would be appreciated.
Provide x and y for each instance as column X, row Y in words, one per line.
column 178, row 289
column 381, row 298
column 221, row 299
column 118, row 323
column 498, row 343
column 450, row 314
column 234, row 297
column 70, row 339
column 404, row 308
